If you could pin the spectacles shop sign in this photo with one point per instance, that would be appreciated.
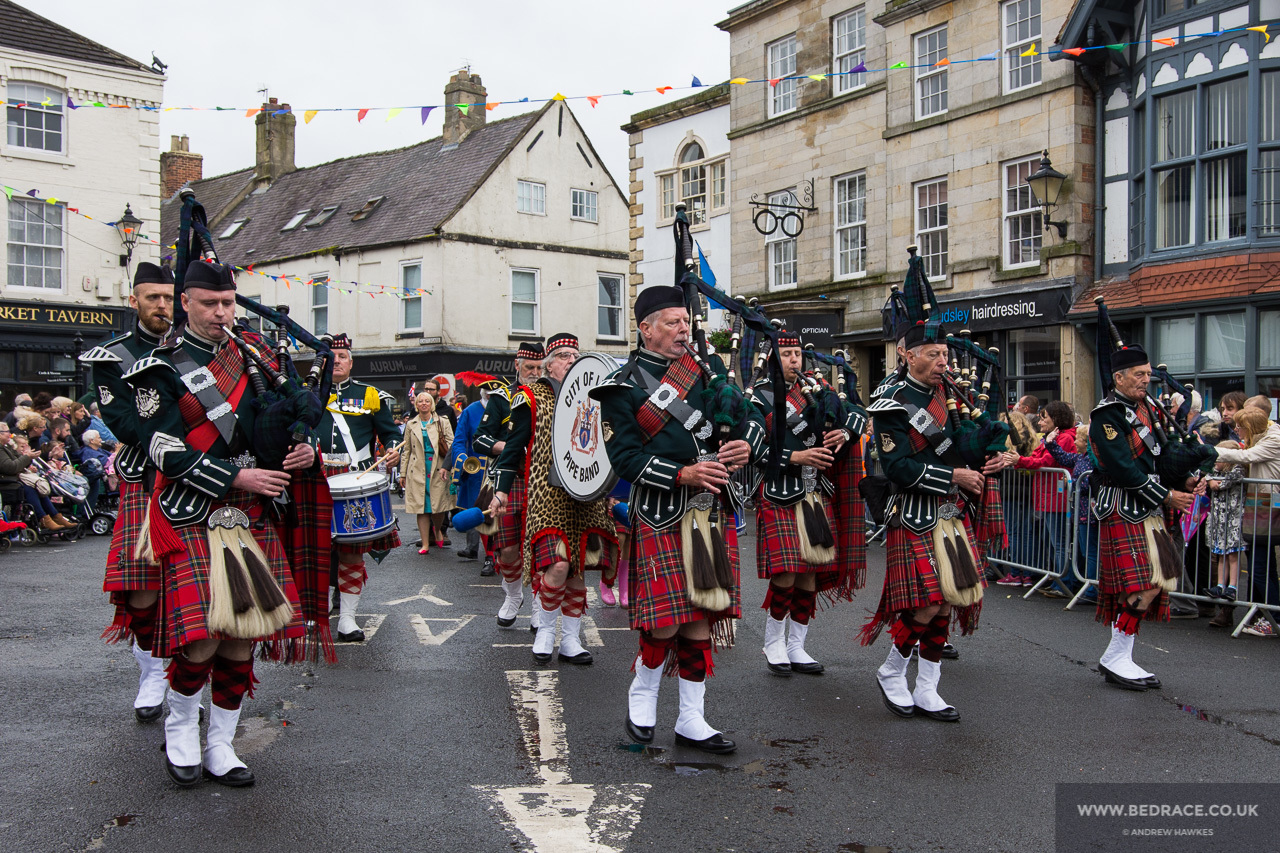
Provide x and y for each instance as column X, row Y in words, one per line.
column 1019, row 310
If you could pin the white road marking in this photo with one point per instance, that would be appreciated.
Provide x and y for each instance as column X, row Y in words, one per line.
column 590, row 633
column 372, row 622
column 558, row 815
column 513, row 645
column 427, row 594
column 425, row 635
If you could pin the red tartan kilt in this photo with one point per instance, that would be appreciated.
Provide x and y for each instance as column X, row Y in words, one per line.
column 910, row 577
column 658, row 597
column 778, row 540
column 124, row 573
column 1124, row 567
column 511, row 523
column 184, row 600
column 545, row 556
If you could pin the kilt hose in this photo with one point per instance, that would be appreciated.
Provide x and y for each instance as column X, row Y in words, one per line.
column 124, row 573
column 658, row 598
column 510, row 530
column 185, row 599
column 911, row 582
column 1124, row 568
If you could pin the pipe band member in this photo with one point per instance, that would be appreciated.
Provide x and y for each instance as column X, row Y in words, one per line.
column 684, row 544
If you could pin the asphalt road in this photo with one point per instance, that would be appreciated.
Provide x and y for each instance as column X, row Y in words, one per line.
column 438, row 734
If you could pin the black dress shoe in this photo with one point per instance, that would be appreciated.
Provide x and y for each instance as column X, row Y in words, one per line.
column 149, row 714
column 1120, row 681
column 946, row 715
column 468, row 555
column 506, row 623
column 814, row 668
column 487, row 570
column 900, row 710
column 184, row 776
column 950, row 652
column 639, row 734
column 715, row 744
column 236, row 777
column 783, row 669
column 541, row 659
column 356, row 636
column 1152, row 682
column 582, row 658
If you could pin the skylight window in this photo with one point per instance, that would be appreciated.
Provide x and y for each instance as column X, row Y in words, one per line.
column 233, row 229
column 296, row 220
column 322, row 217
column 368, row 209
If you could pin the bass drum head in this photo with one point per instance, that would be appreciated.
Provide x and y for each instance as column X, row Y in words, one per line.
column 577, row 432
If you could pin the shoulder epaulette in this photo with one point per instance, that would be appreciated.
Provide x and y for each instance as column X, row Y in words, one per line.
column 147, row 362
column 99, row 354
column 383, row 395
column 520, row 397
column 1107, row 402
column 885, row 404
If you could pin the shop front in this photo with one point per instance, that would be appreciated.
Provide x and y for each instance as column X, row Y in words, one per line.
column 39, row 342
column 395, row 372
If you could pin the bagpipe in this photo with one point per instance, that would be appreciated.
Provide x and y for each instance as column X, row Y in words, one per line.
column 290, row 406
column 1183, row 453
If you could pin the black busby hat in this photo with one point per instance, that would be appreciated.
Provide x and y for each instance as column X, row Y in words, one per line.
column 656, row 298
column 563, row 339
column 531, row 349
column 341, row 341
column 149, row 273
column 210, row 275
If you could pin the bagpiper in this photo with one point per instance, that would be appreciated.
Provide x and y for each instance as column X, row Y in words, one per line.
column 132, row 581
column 226, row 582
column 356, row 417
column 932, row 572
column 796, row 544
column 684, row 545
column 1134, row 482
column 490, row 440
column 563, row 537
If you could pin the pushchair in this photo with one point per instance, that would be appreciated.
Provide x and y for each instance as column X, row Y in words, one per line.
column 67, row 491
column 100, row 518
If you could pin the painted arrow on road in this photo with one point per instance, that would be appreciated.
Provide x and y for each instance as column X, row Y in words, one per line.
column 558, row 814
column 427, row 593
column 427, row 637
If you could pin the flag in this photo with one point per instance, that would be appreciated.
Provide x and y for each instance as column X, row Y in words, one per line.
column 412, row 393
column 705, row 273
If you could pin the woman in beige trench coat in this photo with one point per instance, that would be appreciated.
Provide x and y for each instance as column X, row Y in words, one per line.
column 431, row 506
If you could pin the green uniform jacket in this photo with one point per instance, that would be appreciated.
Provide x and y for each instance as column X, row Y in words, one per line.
column 494, row 426
column 109, row 363
column 788, row 485
column 651, row 466
column 921, row 476
column 1124, row 481
column 367, row 412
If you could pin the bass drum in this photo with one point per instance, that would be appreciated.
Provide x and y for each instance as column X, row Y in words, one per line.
column 577, row 432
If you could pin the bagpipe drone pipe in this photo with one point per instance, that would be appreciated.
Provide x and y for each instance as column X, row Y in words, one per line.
column 289, row 405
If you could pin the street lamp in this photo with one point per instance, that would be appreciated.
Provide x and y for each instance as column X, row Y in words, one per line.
column 128, row 227
column 1046, row 183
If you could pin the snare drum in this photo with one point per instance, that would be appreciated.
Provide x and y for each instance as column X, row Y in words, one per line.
column 361, row 506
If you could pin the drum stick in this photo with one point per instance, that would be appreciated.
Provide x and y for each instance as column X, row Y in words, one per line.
column 380, row 459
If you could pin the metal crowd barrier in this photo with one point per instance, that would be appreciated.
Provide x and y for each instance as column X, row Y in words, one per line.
column 1039, row 518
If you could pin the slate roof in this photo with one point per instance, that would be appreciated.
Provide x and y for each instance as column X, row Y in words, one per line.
column 422, row 187
column 22, row 29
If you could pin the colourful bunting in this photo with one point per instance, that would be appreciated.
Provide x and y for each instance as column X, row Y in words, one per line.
column 1031, row 51
column 1166, row 42
column 426, row 111
column 861, row 68
column 662, row 90
column 71, row 105
column 817, row 77
column 465, row 109
column 696, row 82
column 557, row 97
column 626, row 92
column 774, row 82
column 898, row 65
column 8, row 192
column 1262, row 29
column 362, row 113
column 393, row 112
column 594, row 100
column 941, row 62
column 988, row 57
column 741, row 81
column 249, row 113
column 308, row 116
column 1074, row 51
column 1117, row 46
column 492, row 105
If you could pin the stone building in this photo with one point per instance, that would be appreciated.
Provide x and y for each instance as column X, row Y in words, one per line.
column 1189, row 253
column 66, row 281
column 680, row 153
column 935, row 153
column 438, row 257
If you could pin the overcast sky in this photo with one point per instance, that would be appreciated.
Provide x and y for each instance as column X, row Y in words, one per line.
column 387, row 53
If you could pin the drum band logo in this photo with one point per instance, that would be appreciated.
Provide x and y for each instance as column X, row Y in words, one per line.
column 358, row 515
column 586, row 435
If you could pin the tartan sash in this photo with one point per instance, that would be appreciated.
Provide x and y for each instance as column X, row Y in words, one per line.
column 681, row 375
column 1142, row 414
column 937, row 410
column 231, row 380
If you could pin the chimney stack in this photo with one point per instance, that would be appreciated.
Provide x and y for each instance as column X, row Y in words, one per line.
column 463, row 88
column 274, row 149
column 178, row 166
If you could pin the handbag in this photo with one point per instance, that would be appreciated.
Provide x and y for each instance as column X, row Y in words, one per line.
column 877, row 492
column 35, row 481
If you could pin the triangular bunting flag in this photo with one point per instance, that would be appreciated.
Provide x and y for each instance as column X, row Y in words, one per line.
column 308, row 116
column 696, row 82
column 492, row 105
column 627, row 92
column 817, row 77
column 898, row 65
column 1165, row 42
column 71, row 105
column 362, row 113
column 392, row 113
column 860, row 68
column 55, row 201
column 247, row 113
column 1117, row 46
column 774, row 81
column 426, row 111
column 33, row 193
column 465, row 109
column 1074, row 51
column 741, row 81
column 943, row 61
column 1031, row 51
column 8, row 192
column 987, row 57
column 1262, row 29
column 99, row 104
column 557, row 97
column 593, row 100
column 662, row 90
column 523, row 101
